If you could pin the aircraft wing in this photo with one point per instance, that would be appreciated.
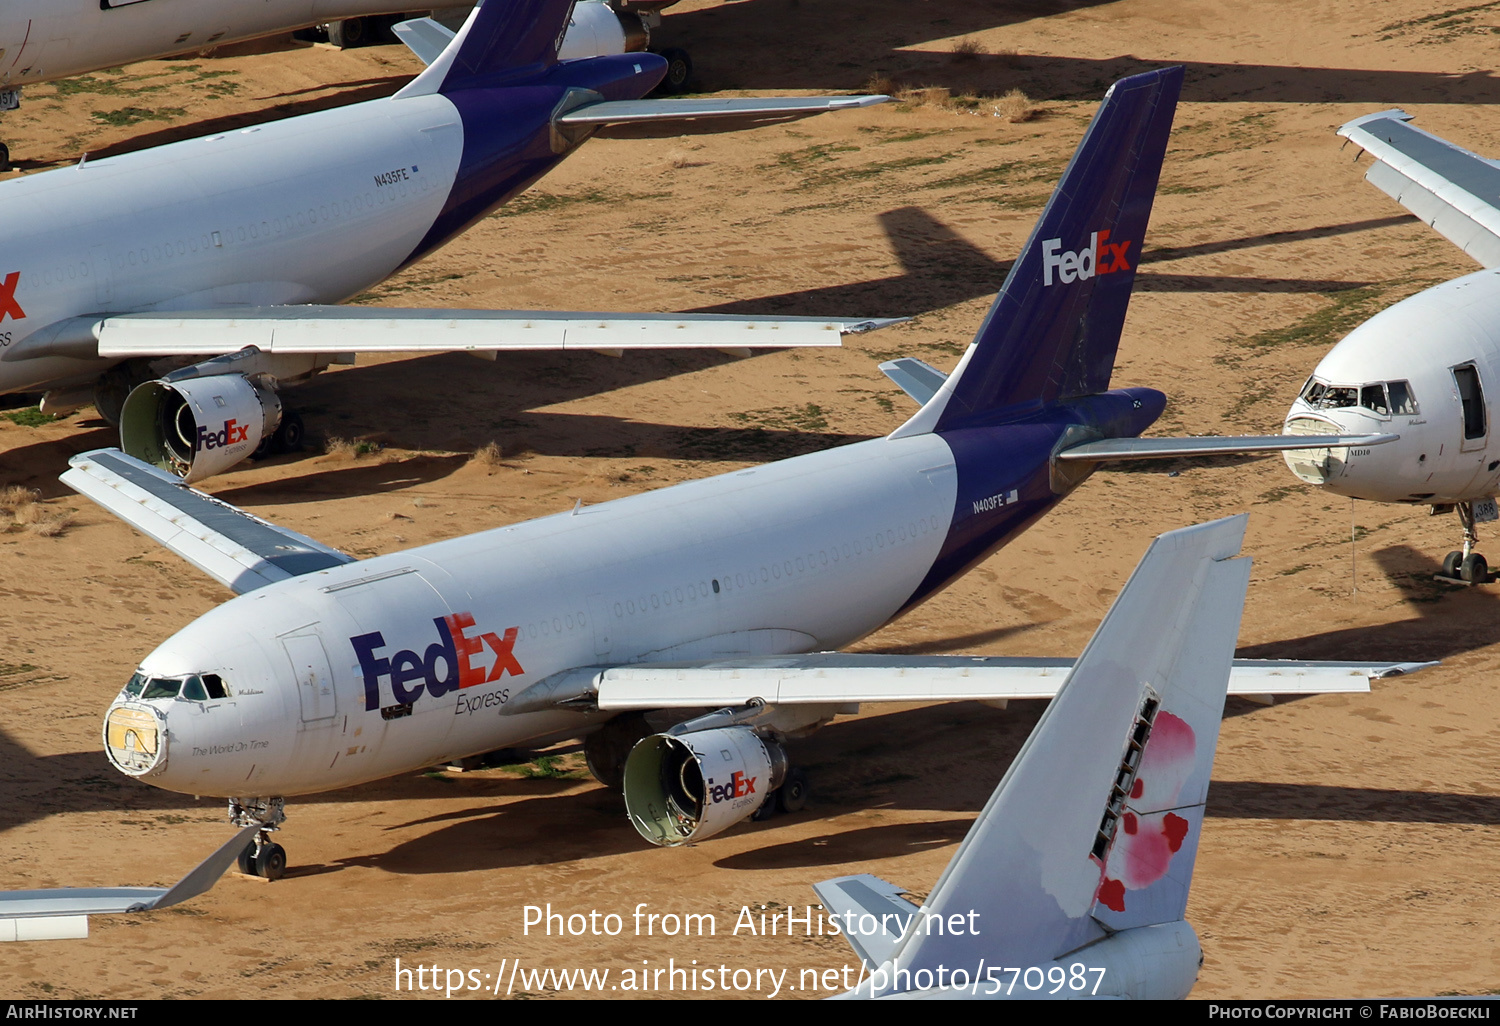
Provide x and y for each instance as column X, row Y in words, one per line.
column 355, row 329
column 840, row 678
column 233, row 547
column 62, row 913
column 1445, row 185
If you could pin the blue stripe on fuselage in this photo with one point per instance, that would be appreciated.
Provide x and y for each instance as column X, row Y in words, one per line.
column 508, row 135
column 1005, row 475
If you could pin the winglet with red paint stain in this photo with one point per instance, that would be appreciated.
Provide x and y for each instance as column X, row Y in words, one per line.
column 1083, row 856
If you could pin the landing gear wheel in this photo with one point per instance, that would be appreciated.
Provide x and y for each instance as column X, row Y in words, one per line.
column 1451, row 562
column 792, row 795
column 247, row 860
column 265, row 448
column 290, row 434
column 679, row 72
column 766, row 811
column 5, row 158
column 270, row 861
column 1474, row 569
column 348, row 34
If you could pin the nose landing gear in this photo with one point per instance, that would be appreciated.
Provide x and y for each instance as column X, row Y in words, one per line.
column 261, row 857
column 1466, row 566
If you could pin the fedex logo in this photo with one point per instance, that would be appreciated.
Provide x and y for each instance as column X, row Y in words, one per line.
column 8, row 305
column 231, row 433
column 738, row 787
column 446, row 665
column 1100, row 256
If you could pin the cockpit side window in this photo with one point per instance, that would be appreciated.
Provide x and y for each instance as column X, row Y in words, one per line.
column 160, row 687
column 215, row 686
column 1313, row 391
column 1403, row 403
column 136, row 685
column 1372, row 397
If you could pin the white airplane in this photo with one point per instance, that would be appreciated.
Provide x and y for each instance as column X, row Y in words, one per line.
column 1073, row 882
column 45, row 40
column 726, row 593
column 1422, row 367
column 218, row 260
column 62, row 913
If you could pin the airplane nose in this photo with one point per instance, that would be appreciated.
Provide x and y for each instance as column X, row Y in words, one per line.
column 135, row 739
column 1317, row 466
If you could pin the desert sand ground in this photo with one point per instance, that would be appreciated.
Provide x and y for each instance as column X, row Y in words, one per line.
column 1348, row 841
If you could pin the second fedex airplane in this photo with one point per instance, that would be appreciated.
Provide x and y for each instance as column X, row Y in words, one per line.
column 724, row 593
column 178, row 288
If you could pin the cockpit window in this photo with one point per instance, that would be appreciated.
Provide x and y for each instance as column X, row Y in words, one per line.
column 1372, row 397
column 192, row 689
column 137, row 682
column 214, row 684
column 1336, row 397
column 160, row 687
column 1403, row 402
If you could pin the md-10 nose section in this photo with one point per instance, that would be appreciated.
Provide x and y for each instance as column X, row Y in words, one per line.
column 1316, row 466
column 135, row 739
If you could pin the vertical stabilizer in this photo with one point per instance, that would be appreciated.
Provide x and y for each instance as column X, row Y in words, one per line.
column 503, row 42
column 1094, row 828
column 1053, row 330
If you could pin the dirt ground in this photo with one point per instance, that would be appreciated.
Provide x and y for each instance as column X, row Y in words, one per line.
column 1347, row 840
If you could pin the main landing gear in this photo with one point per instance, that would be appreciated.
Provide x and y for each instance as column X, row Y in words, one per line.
column 1466, row 566
column 791, row 796
column 261, row 857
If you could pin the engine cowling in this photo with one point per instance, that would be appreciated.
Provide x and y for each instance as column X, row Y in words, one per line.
column 198, row 427
column 683, row 788
column 597, row 30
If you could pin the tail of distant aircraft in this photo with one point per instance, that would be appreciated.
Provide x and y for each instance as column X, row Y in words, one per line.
column 1085, row 851
column 1053, row 330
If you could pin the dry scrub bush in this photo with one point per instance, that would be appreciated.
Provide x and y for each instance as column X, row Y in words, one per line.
column 967, row 49
column 14, row 498
column 487, row 456
column 1015, row 107
column 880, row 84
column 349, row 448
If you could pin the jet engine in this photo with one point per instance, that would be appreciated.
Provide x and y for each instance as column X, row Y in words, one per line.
column 196, row 427
column 686, row 787
column 599, row 29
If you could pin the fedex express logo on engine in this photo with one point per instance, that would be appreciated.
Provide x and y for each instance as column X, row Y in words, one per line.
column 1100, row 256
column 454, row 661
column 232, row 433
column 738, row 787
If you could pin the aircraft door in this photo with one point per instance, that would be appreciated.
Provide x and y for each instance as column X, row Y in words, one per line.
column 315, row 689
column 1475, row 416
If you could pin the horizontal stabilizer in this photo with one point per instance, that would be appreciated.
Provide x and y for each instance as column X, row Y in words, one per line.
column 869, row 911
column 916, row 378
column 1445, row 185
column 233, row 547
column 1166, row 448
column 842, row 678
column 622, row 112
column 345, row 329
column 424, row 37
column 61, row 913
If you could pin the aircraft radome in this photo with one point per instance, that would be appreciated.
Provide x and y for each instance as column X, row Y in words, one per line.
column 727, row 593
column 1073, row 882
column 45, row 40
column 1427, row 367
column 217, row 260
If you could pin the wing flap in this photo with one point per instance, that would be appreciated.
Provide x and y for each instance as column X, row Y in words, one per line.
column 622, row 112
column 235, row 548
column 842, row 678
column 1166, row 448
column 1445, row 185
column 342, row 329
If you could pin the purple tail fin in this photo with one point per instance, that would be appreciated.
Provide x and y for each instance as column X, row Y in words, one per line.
column 506, row 41
column 1054, row 329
